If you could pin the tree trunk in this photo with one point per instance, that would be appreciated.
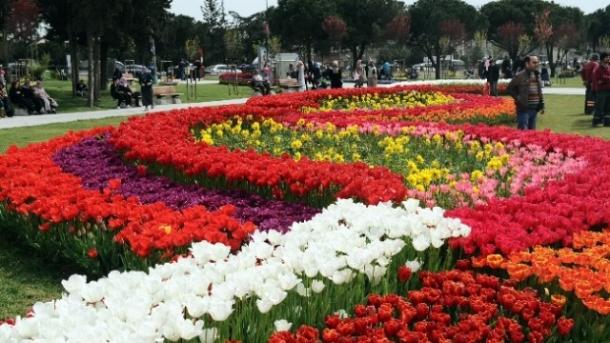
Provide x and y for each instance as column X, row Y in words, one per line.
column 362, row 50
column 550, row 49
column 104, row 65
column 75, row 62
column 97, row 70
column 437, row 64
column 354, row 50
column 90, row 73
column 5, row 47
column 153, row 51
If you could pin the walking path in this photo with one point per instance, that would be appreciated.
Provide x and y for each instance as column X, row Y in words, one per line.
column 35, row 120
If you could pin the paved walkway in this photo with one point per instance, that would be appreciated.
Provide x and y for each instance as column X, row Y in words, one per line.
column 564, row 91
column 35, row 120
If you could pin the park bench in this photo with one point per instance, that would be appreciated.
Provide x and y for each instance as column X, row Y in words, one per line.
column 163, row 93
column 289, row 85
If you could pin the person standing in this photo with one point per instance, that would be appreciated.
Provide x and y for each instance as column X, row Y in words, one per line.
column 525, row 88
column 359, row 75
column 146, row 86
column 601, row 79
column 372, row 74
column 586, row 73
column 334, row 74
column 493, row 75
column 301, row 76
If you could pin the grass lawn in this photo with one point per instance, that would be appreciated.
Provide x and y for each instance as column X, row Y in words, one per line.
column 572, row 82
column 62, row 92
column 25, row 279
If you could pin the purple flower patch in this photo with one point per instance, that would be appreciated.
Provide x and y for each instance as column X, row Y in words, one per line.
column 96, row 162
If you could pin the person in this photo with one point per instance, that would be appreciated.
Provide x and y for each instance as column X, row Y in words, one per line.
column 586, row 74
column 146, row 89
column 316, row 75
column 386, row 70
column 525, row 88
column 182, row 69
column 28, row 92
column 5, row 102
column 359, row 75
column 49, row 104
column 120, row 91
column 2, row 76
column 601, row 79
column 301, row 76
column 81, row 88
column 493, row 75
column 544, row 75
column 17, row 97
column 116, row 75
column 372, row 74
column 333, row 73
column 507, row 68
column 260, row 83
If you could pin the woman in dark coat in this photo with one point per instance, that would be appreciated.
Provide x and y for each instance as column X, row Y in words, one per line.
column 146, row 83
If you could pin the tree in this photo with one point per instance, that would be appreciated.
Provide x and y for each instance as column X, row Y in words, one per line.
column 215, row 19
column 335, row 28
column 598, row 27
column 512, row 24
column 437, row 26
column 398, row 28
column 366, row 21
column 298, row 29
column 558, row 30
column 23, row 20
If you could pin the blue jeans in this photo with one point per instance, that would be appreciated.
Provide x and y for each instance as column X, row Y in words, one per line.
column 526, row 120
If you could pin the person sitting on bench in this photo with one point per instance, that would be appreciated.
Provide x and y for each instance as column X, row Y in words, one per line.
column 28, row 91
column 49, row 104
column 17, row 97
column 119, row 93
column 5, row 103
column 123, row 86
column 81, row 89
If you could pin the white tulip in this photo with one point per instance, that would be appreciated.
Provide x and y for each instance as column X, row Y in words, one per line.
column 282, row 325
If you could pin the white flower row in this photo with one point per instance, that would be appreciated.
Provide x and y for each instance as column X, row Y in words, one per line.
column 167, row 302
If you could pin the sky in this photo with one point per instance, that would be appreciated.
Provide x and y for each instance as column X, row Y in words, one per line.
column 247, row 7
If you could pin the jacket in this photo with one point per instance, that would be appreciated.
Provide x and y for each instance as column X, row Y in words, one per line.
column 518, row 89
column 601, row 78
column 587, row 71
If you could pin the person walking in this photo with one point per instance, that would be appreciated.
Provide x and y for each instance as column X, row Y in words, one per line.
column 586, row 74
column 525, row 88
column 146, row 88
column 493, row 75
column 601, row 80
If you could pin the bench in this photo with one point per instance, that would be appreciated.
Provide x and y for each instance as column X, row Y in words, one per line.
column 161, row 94
column 289, row 85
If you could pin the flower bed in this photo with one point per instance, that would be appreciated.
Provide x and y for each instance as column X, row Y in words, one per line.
column 451, row 104
column 238, row 213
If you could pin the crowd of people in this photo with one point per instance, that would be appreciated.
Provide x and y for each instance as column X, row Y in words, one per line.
column 29, row 96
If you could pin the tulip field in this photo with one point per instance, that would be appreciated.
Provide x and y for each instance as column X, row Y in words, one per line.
column 405, row 214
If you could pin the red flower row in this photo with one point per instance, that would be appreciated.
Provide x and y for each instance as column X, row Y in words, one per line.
column 32, row 185
column 453, row 306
